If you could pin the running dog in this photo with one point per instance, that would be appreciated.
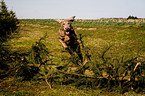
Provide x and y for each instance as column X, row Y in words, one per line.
column 68, row 37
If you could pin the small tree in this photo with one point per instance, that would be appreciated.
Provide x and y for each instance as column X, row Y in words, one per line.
column 8, row 24
column 8, row 20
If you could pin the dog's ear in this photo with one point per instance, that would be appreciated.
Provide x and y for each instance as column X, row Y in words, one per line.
column 72, row 18
column 59, row 21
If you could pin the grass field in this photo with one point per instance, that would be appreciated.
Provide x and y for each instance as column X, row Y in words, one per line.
column 126, row 39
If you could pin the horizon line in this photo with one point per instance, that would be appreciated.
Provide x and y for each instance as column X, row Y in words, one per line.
column 85, row 18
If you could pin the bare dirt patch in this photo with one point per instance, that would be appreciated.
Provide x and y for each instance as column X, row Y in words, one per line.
column 44, row 27
column 86, row 28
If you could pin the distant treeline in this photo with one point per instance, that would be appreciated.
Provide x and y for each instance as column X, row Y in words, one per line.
column 129, row 17
column 132, row 17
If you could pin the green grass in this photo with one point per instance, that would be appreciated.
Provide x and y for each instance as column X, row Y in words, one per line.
column 127, row 39
column 12, row 87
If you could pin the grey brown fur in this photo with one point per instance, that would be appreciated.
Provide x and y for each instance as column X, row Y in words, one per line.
column 68, row 37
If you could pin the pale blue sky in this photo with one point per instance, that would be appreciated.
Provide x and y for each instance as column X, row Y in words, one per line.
column 82, row 9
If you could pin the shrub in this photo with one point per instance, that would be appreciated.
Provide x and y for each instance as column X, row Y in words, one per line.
column 110, row 73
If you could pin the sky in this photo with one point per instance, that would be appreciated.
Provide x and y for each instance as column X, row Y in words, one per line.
column 82, row 9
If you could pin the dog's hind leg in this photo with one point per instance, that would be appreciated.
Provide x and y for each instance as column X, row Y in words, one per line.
column 79, row 53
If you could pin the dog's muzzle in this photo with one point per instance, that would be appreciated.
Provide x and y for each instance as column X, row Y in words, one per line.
column 68, row 31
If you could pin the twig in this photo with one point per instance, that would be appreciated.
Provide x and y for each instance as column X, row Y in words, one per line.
column 80, row 75
column 48, row 83
column 85, row 62
column 139, row 63
column 81, row 40
column 105, row 53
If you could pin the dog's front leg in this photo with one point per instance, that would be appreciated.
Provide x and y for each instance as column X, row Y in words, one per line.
column 63, row 43
column 65, row 46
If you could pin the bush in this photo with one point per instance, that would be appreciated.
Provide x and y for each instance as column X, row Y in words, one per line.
column 110, row 73
column 25, row 65
column 8, row 21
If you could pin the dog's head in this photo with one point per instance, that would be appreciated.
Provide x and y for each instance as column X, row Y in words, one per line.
column 66, row 24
